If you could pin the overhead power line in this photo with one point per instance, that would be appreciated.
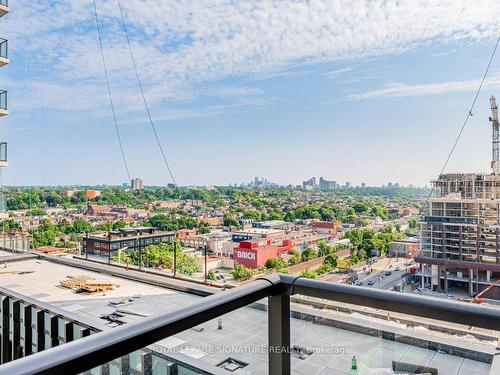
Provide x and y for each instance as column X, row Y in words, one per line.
column 457, row 139
column 146, row 106
column 109, row 91
column 467, row 117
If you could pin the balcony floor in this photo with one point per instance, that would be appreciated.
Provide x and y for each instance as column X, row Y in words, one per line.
column 245, row 328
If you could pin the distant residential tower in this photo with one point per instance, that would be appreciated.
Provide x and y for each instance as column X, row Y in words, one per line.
column 136, row 184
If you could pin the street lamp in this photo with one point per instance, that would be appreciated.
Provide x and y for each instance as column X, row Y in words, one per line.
column 206, row 252
column 175, row 258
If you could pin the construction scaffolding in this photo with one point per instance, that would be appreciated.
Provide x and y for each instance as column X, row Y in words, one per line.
column 495, row 139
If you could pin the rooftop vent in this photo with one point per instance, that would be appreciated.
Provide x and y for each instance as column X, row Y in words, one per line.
column 300, row 352
column 231, row 364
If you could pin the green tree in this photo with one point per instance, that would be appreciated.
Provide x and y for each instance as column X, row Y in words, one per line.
column 324, row 248
column 360, row 207
column 37, row 212
column 412, row 223
column 187, row 265
column 230, row 220
column 324, row 268
column 295, row 257
column 331, row 260
column 81, row 226
column 276, row 263
column 45, row 234
column 119, row 224
column 380, row 211
column 105, row 226
column 308, row 254
column 240, row 272
column 307, row 273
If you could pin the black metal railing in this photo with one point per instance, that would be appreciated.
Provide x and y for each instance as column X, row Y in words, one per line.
column 103, row 348
column 4, row 48
column 3, row 99
column 28, row 326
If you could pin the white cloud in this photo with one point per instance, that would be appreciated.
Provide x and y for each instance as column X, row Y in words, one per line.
column 233, row 91
column 395, row 90
column 181, row 45
column 336, row 73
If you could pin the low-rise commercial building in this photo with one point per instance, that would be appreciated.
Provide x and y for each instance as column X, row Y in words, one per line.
column 215, row 242
column 254, row 254
column 330, row 227
column 273, row 224
column 256, row 234
column 104, row 243
column 407, row 248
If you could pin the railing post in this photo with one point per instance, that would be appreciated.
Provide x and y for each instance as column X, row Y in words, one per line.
column 279, row 334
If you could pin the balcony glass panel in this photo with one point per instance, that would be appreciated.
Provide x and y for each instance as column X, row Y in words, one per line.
column 329, row 338
column 3, row 48
column 3, row 99
column 3, row 151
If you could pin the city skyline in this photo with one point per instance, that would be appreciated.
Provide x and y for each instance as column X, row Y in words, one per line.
column 296, row 102
column 126, row 248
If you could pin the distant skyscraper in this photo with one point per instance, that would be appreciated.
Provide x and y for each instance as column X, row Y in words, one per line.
column 309, row 184
column 326, row 184
column 136, row 184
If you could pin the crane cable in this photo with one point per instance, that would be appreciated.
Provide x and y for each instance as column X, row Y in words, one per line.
column 26, row 113
column 457, row 139
column 109, row 91
column 146, row 106
column 467, row 117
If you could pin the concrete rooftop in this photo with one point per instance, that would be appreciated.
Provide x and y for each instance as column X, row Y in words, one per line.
column 244, row 331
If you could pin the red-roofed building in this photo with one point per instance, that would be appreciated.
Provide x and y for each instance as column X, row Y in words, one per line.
column 254, row 254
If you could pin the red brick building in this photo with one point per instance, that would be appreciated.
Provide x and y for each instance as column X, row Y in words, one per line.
column 330, row 227
column 254, row 254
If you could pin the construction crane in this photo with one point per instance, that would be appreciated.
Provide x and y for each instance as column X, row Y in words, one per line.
column 477, row 298
column 495, row 138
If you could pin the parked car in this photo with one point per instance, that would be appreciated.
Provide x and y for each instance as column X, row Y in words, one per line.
column 371, row 282
column 397, row 269
column 388, row 273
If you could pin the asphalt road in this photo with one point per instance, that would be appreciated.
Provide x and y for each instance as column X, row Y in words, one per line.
column 382, row 281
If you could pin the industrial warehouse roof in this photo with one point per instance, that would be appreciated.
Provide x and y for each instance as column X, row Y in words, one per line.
column 259, row 231
column 129, row 233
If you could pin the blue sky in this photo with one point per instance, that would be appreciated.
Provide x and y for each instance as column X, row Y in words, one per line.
column 349, row 90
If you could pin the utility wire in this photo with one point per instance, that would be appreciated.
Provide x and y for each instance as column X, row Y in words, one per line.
column 42, row 92
column 28, row 137
column 109, row 91
column 146, row 106
column 469, row 115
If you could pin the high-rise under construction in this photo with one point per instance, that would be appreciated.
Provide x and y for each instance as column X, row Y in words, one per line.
column 460, row 236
